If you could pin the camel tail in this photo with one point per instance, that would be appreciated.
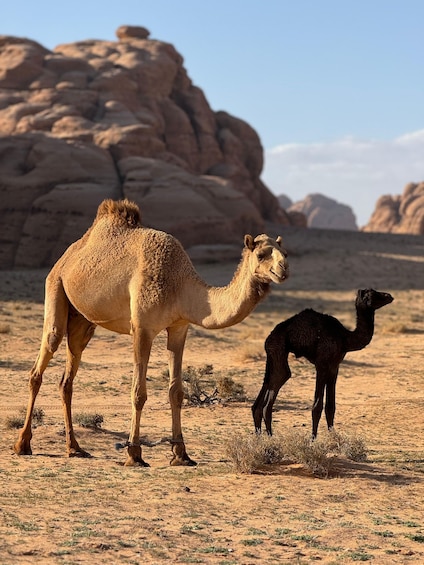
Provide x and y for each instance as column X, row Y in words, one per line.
column 123, row 212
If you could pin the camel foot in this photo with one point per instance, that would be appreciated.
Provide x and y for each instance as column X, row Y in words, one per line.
column 131, row 462
column 134, row 458
column 79, row 453
column 185, row 461
column 22, row 447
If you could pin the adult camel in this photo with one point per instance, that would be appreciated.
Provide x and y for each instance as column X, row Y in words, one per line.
column 139, row 281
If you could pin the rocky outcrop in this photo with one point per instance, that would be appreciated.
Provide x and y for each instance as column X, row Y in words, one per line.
column 296, row 218
column 321, row 212
column 101, row 119
column 399, row 214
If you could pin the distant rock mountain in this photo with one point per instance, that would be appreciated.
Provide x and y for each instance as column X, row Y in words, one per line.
column 102, row 119
column 399, row 214
column 320, row 212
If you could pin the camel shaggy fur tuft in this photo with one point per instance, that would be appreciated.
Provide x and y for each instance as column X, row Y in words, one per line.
column 139, row 281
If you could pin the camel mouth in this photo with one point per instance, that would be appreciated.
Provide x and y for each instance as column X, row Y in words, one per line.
column 278, row 278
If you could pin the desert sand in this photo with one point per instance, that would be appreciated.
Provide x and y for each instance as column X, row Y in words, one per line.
column 55, row 509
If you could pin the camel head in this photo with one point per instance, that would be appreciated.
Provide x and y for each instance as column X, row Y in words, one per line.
column 267, row 258
column 373, row 299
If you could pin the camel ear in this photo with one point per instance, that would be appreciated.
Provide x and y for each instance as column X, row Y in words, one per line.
column 279, row 240
column 249, row 242
column 365, row 295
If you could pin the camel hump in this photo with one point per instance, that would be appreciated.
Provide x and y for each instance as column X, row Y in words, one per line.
column 123, row 212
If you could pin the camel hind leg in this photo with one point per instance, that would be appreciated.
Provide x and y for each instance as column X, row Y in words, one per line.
column 56, row 309
column 277, row 372
column 79, row 333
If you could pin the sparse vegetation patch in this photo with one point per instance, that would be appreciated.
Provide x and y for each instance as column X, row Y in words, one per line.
column 251, row 453
column 88, row 420
column 203, row 387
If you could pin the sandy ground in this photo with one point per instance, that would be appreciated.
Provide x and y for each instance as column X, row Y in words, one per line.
column 59, row 510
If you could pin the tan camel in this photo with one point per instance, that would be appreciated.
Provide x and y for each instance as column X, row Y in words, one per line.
column 139, row 281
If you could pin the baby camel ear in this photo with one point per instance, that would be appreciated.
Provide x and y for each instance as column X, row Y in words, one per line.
column 279, row 240
column 249, row 242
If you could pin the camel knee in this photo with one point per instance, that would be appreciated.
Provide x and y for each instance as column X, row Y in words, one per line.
column 139, row 400
column 66, row 386
column 54, row 339
column 176, row 394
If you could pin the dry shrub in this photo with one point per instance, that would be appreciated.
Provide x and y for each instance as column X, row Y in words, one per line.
column 394, row 328
column 251, row 452
column 17, row 421
column 5, row 328
column 312, row 454
column 351, row 446
column 88, row 420
column 251, row 352
column 197, row 382
column 228, row 389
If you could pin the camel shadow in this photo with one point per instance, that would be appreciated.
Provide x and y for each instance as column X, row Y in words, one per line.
column 18, row 366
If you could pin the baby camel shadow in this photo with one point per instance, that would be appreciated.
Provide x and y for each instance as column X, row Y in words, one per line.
column 341, row 467
column 370, row 471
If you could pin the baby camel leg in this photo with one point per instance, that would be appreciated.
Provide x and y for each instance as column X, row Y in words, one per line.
column 55, row 318
column 277, row 372
column 176, row 340
column 318, row 401
column 330, row 401
column 143, row 340
column 80, row 331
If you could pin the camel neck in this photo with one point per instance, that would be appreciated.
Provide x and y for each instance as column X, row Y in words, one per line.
column 221, row 307
column 361, row 336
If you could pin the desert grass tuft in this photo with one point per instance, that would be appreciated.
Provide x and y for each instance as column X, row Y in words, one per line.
column 88, row 420
column 251, row 352
column 394, row 328
column 5, row 328
column 228, row 389
column 17, row 421
column 251, row 453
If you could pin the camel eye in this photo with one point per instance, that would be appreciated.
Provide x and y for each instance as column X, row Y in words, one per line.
column 263, row 254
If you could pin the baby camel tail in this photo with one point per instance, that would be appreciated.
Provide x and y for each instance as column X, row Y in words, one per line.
column 139, row 281
column 324, row 341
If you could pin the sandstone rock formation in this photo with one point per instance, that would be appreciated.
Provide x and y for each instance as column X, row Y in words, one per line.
column 399, row 214
column 99, row 119
column 296, row 218
column 322, row 212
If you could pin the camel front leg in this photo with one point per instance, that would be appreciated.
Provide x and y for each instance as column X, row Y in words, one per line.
column 330, row 402
column 23, row 444
column 176, row 340
column 143, row 340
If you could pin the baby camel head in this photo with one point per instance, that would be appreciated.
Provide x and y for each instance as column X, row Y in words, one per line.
column 267, row 259
column 372, row 299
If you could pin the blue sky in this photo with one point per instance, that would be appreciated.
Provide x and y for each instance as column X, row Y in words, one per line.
column 334, row 88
